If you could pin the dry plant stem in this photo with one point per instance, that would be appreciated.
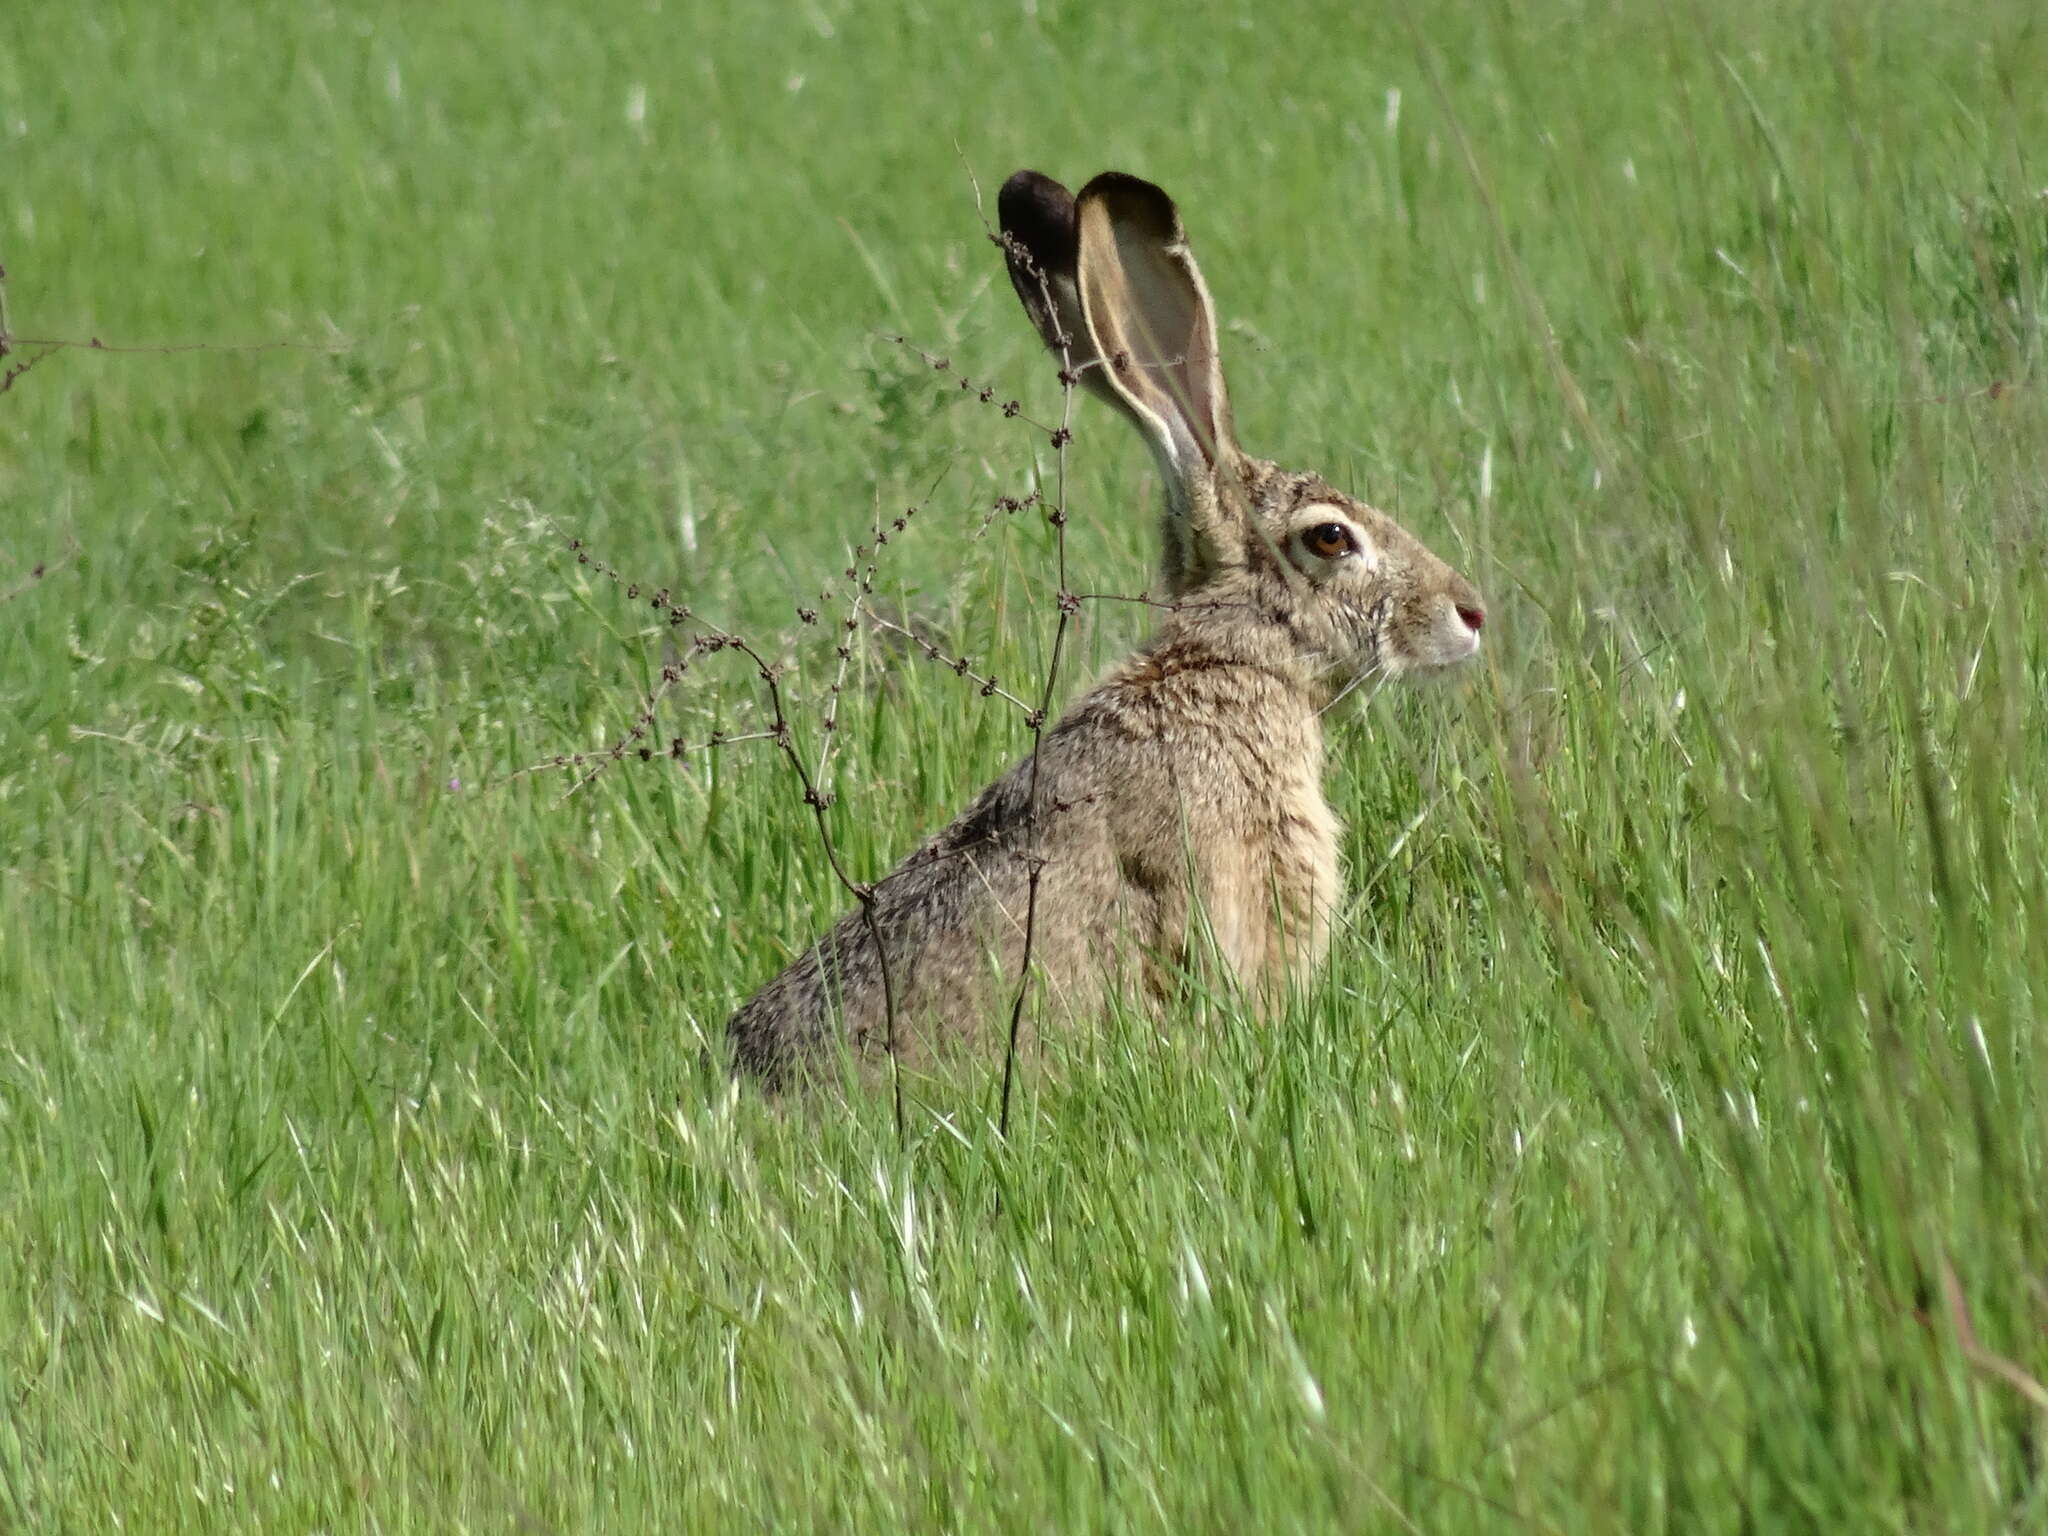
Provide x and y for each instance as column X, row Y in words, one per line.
column 670, row 676
column 958, row 665
column 861, row 891
column 857, row 604
column 166, row 349
column 1002, row 505
column 675, row 751
column 863, row 577
column 779, row 731
column 47, row 345
column 41, row 571
column 1035, row 867
column 1145, row 598
column 714, row 638
column 17, row 370
column 828, row 728
column 986, row 393
column 9, row 341
column 1986, row 1360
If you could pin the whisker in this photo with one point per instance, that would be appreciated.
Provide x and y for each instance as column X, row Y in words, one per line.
column 1370, row 674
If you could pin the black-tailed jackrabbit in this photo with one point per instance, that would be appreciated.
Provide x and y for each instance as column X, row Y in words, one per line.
column 1179, row 803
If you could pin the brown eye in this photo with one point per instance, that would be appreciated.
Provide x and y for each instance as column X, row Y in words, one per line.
column 1326, row 541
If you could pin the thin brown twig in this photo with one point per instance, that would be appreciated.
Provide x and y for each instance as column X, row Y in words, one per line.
column 985, row 393
column 18, row 369
column 1068, row 605
column 671, row 674
column 1986, row 1360
column 1997, row 389
column 677, row 615
column 676, row 751
column 164, row 349
column 40, row 572
column 48, row 346
column 959, row 666
column 828, row 728
column 862, row 891
column 782, row 732
column 857, row 603
column 1004, row 506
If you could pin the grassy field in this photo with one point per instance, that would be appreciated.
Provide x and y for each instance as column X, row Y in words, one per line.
column 1663, row 1148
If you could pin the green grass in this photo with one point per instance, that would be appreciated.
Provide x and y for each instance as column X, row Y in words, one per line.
column 1663, row 1147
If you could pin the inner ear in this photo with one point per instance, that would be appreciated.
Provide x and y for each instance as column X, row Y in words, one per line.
column 1150, row 315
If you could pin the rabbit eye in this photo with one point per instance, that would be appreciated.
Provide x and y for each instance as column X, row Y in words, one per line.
column 1327, row 541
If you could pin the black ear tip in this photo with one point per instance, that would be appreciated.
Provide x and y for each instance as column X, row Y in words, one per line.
column 1027, row 183
column 1039, row 214
column 1033, row 188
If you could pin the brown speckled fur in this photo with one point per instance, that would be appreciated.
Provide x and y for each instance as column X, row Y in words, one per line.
column 1180, row 799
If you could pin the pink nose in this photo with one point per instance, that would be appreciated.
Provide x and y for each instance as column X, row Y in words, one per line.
column 1473, row 615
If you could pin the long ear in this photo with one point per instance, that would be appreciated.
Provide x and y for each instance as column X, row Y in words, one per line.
column 1041, row 247
column 1110, row 284
column 1148, row 314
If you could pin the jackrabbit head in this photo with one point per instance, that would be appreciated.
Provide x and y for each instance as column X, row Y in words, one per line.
column 1108, row 280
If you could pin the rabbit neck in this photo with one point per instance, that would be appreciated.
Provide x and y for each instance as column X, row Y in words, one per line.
column 1212, row 646
column 1239, row 623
